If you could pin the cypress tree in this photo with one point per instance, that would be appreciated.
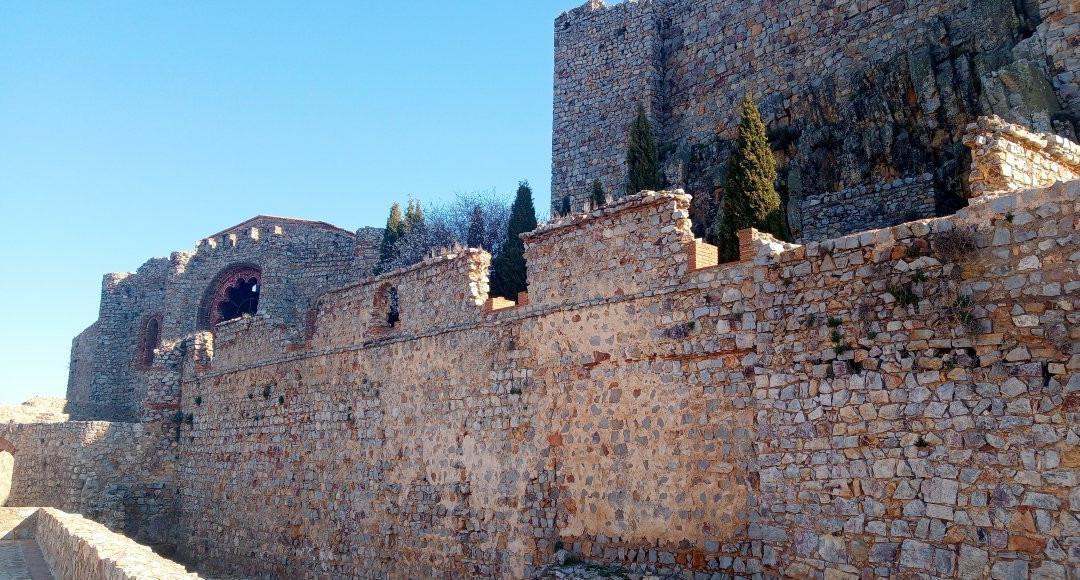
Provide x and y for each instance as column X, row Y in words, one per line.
column 475, row 235
column 508, row 275
column 598, row 197
column 643, row 157
column 395, row 229
column 750, row 198
column 414, row 215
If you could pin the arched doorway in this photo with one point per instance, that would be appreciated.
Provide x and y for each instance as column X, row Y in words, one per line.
column 233, row 293
column 7, row 469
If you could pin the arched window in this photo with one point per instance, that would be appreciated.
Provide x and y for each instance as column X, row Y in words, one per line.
column 149, row 339
column 233, row 293
column 7, row 469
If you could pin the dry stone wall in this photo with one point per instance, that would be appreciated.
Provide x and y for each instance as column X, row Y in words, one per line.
column 897, row 401
column 120, row 474
column 837, row 213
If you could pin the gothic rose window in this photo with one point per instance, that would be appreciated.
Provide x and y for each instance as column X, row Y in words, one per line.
column 235, row 293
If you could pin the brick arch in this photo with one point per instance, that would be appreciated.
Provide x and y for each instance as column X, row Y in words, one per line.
column 149, row 339
column 218, row 290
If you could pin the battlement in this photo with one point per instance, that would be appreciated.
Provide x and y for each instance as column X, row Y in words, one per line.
column 634, row 246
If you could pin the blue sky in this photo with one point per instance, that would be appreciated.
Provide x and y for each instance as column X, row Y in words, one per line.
column 131, row 129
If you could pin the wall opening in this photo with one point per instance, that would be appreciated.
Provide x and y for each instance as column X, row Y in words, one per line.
column 386, row 308
column 233, row 293
column 7, row 470
column 149, row 339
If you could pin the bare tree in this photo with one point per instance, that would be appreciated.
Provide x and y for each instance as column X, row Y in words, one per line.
column 477, row 218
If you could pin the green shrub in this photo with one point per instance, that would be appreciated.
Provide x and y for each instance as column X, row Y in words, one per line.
column 598, row 198
column 904, row 295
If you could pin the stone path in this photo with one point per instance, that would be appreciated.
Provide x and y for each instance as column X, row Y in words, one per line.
column 21, row 560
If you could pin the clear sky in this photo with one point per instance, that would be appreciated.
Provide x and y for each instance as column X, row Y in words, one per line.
column 131, row 129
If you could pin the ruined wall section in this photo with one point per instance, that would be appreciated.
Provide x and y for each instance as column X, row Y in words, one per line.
column 81, row 365
column 298, row 261
column 606, row 65
column 128, row 380
column 120, row 474
column 106, row 371
column 366, row 255
column 837, row 213
column 1007, row 157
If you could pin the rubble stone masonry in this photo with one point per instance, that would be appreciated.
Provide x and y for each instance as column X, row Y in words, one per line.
column 897, row 402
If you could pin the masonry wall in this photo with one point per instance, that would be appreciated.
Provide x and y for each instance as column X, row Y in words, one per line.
column 605, row 67
column 120, row 474
column 838, row 213
column 836, row 406
column 1011, row 157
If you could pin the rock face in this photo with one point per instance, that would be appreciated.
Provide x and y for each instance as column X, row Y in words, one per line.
column 854, row 94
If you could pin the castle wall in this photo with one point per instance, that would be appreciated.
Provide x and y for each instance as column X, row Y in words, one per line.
column 605, row 67
column 853, row 94
column 81, row 365
column 1011, row 157
column 623, row 252
column 899, row 400
column 103, row 365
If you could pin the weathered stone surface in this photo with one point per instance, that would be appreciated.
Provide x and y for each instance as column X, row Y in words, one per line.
column 853, row 405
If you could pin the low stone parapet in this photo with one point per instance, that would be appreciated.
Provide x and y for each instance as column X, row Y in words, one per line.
column 80, row 549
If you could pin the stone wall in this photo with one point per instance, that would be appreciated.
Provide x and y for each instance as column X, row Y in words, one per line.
column 838, row 213
column 1007, row 157
column 605, row 67
column 7, row 467
column 852, row 94
column 622, row 252
column 121, row 474
column 76, row 548
column 899, row 400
